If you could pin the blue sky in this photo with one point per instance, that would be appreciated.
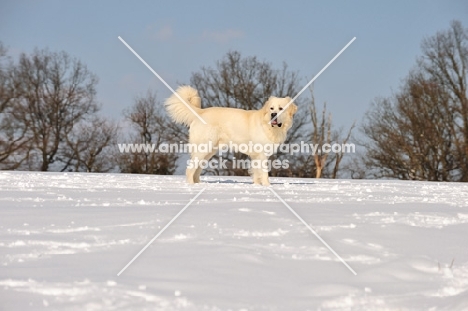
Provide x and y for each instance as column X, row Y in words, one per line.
column 177, row 38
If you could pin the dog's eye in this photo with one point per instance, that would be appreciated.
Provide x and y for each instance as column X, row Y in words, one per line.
column 281, row 108
column 271, row 108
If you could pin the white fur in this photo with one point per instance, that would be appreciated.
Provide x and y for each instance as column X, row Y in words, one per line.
column 178, row 110
column 225, row 125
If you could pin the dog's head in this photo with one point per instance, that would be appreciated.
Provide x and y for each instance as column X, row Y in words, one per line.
column 278, row 113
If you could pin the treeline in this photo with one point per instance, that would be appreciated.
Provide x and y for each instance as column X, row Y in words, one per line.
column 50, row 121
column 49, row 117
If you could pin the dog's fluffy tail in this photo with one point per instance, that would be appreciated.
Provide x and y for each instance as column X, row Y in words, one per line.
column 178, row 109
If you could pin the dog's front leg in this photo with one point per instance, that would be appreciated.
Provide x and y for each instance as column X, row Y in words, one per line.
column 257, row 176
column 260, row 169
column 264, row 178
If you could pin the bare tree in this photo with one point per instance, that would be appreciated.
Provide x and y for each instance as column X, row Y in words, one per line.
column 419, row 133
column 318, row 163
column 54, row 92
column 246, row 83
column 13, row 138
column 339, row 155
column 150, row 126
column 411, row 136
column 91, row 147
column 321, row 135
column 5, row 88
column 445, row 60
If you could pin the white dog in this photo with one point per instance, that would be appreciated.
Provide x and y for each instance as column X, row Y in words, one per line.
column 231, row 126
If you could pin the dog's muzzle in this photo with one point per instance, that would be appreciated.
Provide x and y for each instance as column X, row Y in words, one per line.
column 274, row 121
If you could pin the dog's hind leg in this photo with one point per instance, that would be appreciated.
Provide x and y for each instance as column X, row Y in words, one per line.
column 192, row 168
column 203, row 137
column 196, row 175
column 195, row 168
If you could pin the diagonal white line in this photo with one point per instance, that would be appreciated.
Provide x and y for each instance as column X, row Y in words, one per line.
column 312, row 230
column 313, row 79
column 162, row 80
column 159, row 233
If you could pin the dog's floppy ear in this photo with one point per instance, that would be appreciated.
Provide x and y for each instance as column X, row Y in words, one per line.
column 267, row 103
column 292, row 109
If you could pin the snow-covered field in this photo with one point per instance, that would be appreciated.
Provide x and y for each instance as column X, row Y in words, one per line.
column 64, row 237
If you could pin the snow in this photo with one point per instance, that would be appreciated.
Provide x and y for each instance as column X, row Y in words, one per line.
column 65, row 236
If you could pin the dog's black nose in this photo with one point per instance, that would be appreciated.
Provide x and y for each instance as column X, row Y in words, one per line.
column 273, row 114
